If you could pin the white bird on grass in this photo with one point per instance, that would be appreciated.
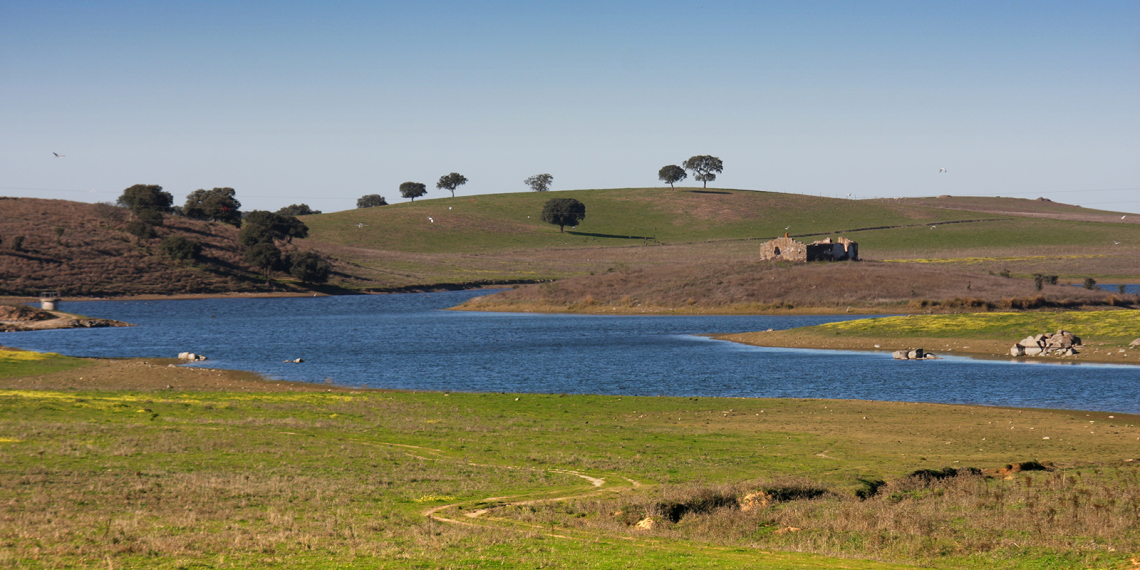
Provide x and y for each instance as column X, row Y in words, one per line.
column 932, row 227
column 1122, row 217
column 431, row 220
column 1114, row 242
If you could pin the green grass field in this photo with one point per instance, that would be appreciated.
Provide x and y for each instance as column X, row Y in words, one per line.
column 345, row 480
column 14, row 363
column 1108, row 327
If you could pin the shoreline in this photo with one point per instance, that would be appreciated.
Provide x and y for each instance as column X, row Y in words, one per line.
column 983, row 349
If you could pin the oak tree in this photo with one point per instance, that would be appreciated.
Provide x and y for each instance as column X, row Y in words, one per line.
column 413, row 190
column 451, row 182
column 563, row 212
column 704, row 168
column 671, row 174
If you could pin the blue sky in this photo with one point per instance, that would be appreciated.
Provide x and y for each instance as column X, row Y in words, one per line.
column 292, row 102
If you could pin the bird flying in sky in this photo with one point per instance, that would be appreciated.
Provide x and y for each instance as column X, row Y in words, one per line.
column 57, row 155
column 940, row 170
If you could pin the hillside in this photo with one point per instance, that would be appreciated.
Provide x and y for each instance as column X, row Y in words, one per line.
column 500, row 239
column 489, row 239
column 94, row 256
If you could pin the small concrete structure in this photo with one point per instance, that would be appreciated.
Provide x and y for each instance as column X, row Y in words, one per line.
column 783, row 249
column 48, row 300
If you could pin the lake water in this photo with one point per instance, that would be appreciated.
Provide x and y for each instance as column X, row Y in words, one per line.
column 409, row 342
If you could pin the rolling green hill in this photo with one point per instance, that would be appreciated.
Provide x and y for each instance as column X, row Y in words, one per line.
column 621, row 217
column 500, row 237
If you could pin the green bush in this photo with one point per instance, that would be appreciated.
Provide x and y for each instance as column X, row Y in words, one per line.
column 309, row 267
column 179, row 248
column 141, row 230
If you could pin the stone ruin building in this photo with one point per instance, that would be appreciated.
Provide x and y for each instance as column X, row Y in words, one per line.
column 788, row 249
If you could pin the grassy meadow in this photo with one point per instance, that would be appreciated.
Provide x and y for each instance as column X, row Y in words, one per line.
column 501, row 238
column 195, row 478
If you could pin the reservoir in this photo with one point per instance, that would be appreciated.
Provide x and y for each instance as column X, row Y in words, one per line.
column 409, row 342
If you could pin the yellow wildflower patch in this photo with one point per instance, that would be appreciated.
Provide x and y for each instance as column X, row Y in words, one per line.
column 9, row 440
column 434, row 498
column 26, row 356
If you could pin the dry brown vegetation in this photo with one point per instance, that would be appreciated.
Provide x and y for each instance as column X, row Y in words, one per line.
column 928, row 515
column 94, row 256
column 774, row 286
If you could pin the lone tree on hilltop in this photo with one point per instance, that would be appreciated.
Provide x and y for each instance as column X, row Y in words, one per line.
column 217, row 205
column 371, row 201
column 297, row 210
column 671, row 174
column 146, row 198
column 539, row 182
column 704, row 168
column 563, row 212
column 413, row 190
column 451, row 182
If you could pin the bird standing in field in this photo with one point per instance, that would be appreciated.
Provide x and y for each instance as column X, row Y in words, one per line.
column 431, row 220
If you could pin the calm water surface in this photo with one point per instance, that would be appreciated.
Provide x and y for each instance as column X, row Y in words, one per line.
column 409, row 342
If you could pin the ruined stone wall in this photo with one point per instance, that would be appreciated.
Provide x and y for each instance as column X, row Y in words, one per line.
column 783, row 249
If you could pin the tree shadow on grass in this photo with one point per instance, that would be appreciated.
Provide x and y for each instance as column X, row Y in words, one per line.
column 708, row 192
column 587, row 234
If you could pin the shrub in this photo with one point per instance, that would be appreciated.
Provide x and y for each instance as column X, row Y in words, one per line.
column 179, row 248
column 1090, row 283
column 309, row 267
column 141, row 229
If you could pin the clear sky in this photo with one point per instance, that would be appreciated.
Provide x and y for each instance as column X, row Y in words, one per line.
column 321, row 103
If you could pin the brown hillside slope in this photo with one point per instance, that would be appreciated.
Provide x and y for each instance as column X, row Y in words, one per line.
column 767, row 286
column 95, row 256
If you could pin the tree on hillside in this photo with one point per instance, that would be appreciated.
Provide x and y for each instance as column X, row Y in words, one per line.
column 413, row 190
column 563, row 212
column 264, row 256
column 217, row 205
column 146, row 197
column 704, row 168
column 539, row 182
column 152, row 217
column 671, row 174
column 371, row 201
column 260, row 226
column 451, row 182
column 297, row 210
column 179, row 248
column 309, row 267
